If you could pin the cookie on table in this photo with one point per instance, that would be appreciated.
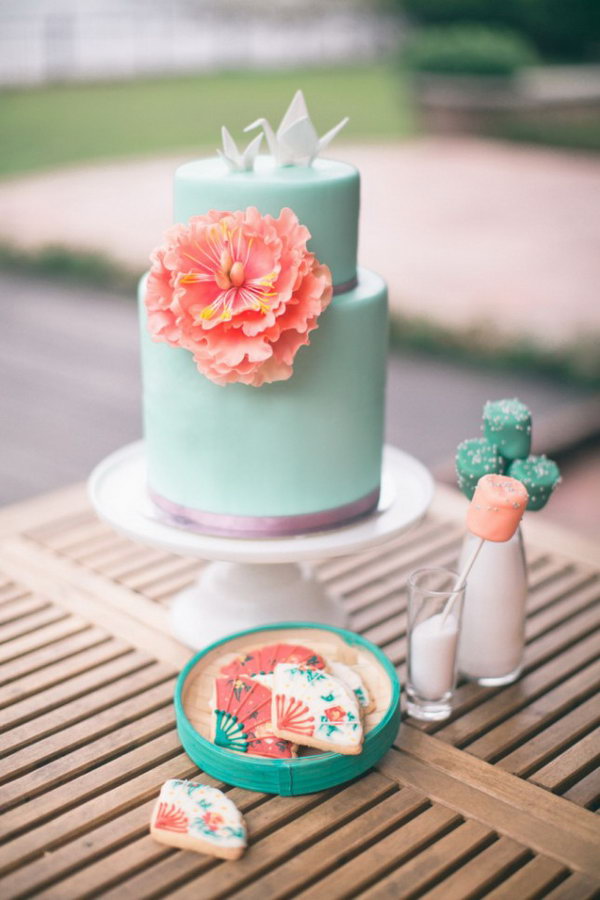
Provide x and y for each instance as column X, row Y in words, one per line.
column 241, row 719
column 350, row 677
column 197, row 817
column 540, row 476
column 315, row 709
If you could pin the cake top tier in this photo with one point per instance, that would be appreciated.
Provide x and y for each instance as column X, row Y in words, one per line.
column 323, row 195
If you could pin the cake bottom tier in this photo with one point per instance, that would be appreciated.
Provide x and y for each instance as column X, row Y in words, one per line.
column 286, row 458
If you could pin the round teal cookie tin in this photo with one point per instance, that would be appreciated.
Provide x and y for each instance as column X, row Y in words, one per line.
column 304, row 774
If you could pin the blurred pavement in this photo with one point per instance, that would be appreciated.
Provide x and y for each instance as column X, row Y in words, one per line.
column 71, row 395
column 467, row 232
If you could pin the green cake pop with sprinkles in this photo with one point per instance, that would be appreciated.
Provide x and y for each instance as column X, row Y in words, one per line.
column 505, row 449
column 476, row 457
column 540, row 476
column 507, row 424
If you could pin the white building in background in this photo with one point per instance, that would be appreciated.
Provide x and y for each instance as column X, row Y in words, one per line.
column 75, row 40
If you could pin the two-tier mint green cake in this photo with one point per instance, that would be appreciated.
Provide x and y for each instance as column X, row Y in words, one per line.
column 264, row 349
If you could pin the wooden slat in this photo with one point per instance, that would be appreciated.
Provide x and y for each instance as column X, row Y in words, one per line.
column 125, row 662
column 585, row 791
column 109, row 821
column 534, row 879
column 516, row 696
column 92, row 754
column 509, row 805
column 388, row 852
column 59, row 650
column 480, row 873
column 174, row 868
column 145, row 692
column 575, row 887
column 289, row 837
column 11, row 591
column 125, row 613
column 46, row 615
column 553, row 739
column 431, row 864
column 62, row 671
column 68, row 806
column 347, row 841
column 83, row 706
column 142, row 855
column 495, row 815
column 18, row 608
column 569, row 763
column 42, row 638
column 531, row 718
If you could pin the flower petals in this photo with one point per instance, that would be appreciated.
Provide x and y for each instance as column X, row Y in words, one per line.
column 242, row 324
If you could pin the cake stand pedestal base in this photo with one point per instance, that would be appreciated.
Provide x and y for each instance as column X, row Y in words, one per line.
column 254, row 582
column 250, row 595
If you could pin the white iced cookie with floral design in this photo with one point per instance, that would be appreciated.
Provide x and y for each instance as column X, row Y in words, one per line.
column 315, row 709
column 352, row 679
column 198, row 817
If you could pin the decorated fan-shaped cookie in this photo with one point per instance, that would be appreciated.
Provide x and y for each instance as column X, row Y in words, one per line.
column 352, row 679
column 263, row 660
column 198, row 817
column 315, row 709
column 242, row 718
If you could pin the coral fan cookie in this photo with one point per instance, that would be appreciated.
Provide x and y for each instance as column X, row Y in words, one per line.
column 507, row 423
column 476, row 457
column 198, row 817
column 352, row 679
column 540, row 476
column 316, row 709
column 242, row 719
column 263, row 660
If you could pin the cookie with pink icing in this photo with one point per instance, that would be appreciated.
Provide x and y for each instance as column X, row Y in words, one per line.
column 497, row 507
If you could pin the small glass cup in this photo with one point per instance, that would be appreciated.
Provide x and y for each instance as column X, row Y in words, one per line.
column 433, row 630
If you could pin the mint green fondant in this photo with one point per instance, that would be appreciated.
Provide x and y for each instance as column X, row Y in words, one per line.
column 324, row 196
column 229, row 732
column 304, row 445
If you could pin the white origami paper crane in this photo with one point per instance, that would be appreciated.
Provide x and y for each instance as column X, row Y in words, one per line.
column 296, row 141
column 236, row 160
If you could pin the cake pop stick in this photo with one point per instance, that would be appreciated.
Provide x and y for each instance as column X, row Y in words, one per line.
column 494, row 514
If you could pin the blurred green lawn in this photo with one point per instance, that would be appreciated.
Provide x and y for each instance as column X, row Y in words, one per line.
column 59, row 125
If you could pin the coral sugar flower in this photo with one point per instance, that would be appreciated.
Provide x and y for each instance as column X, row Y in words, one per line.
column 240, row 291
column 335, row 713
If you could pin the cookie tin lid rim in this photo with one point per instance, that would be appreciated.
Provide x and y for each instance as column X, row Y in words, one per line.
column 350, row 637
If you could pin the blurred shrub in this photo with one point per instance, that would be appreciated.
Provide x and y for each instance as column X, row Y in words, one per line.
column 468, row 50
column 558, row 28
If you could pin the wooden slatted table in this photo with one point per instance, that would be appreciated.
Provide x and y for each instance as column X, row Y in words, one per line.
column 498, row 802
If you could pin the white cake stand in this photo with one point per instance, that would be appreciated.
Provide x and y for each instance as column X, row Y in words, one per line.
column 254, row 582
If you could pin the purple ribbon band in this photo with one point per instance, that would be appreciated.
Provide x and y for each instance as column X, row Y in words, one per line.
column 345, row 286
column 224, row 525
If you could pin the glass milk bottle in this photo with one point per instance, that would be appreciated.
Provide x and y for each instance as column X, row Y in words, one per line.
column 492, row 638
